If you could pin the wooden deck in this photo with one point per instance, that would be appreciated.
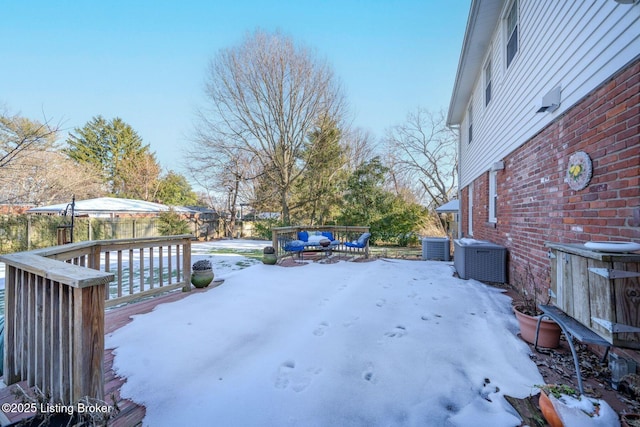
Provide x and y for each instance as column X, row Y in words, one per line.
column 130, row 414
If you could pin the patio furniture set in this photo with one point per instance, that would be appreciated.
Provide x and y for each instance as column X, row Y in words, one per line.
column 324, row 241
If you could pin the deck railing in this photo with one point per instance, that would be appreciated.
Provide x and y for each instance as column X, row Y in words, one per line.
column 55, row 300
column 281, row 235
column 142, row 267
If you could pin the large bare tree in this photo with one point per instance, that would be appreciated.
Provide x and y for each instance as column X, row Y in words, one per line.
column 423, row 151
column 223, row 171
column 42, row 177
column 264, row 97
column 33, row 170
column 19, row 134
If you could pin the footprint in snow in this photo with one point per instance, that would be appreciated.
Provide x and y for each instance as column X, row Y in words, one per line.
column 351, row 321
column 368, row 375
column 288, row 376
column 283, row 374
column 381, row 302
column 319, row 331
column 397, row 332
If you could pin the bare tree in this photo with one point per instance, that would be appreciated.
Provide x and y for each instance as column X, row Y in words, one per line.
column 32, row 168
column 263, row 98
column 43, row 177
column 140, row 176
column 223, row 170
column 359, row 146
column 18, row 134
column 424, row 150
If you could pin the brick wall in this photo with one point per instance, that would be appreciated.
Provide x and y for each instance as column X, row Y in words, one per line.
column 535, row 205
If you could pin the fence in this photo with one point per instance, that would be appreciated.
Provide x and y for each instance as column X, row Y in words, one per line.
column 55, row 300
column 26, row 232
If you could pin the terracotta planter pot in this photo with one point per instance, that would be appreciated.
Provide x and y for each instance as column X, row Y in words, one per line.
column 201, row 278
column 549, row 335
column 630, row 420
column 548, row 411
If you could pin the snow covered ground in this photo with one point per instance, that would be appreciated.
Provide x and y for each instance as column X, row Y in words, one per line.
column 382, row 343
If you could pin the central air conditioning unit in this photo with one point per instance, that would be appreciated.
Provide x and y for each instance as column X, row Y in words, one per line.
column 436, row 248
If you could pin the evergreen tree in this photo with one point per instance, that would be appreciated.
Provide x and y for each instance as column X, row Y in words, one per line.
column 389, row 217
column 318, row 189
column 106, row 146
column 365, row 198
column 175, row 190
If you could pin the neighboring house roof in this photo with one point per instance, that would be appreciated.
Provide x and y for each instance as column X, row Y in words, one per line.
column 482, row 21
column 268, row 215
column 450, row 206
column 108, row 205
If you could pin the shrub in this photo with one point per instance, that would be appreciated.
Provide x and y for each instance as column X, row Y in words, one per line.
column 171, row 224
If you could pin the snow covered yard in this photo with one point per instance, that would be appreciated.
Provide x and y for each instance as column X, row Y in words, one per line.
column 380, row 343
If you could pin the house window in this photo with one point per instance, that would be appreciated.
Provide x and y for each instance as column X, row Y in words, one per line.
column 512, row 32
column 493, row 196
column 487, row 83
column 470, row 121
column 470, row 210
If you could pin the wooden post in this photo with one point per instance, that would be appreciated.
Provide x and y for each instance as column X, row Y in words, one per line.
column 88, row 343
column 54, row 334
column 186, row 265
column 11, row 374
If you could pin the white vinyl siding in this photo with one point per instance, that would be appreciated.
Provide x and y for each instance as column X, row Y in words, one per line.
column 575, row 45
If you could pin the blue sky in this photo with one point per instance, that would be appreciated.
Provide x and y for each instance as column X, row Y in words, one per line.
column 145, row 61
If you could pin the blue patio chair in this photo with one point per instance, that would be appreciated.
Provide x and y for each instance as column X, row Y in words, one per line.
column 294, row 247
column 360, row 245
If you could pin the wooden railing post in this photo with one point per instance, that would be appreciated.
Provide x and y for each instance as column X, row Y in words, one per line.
column 186, row 265
column 10, row 373
column 54, row 308
column 88, row 342
column 54, row 332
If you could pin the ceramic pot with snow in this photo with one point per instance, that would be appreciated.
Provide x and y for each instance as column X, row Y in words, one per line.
column 201, row 273
column 549, row 334
column 269, row 256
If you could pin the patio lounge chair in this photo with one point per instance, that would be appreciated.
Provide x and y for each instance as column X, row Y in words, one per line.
column 294, row 247
column 360, row 245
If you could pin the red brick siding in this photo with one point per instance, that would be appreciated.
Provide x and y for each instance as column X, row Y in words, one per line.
column 535, row 205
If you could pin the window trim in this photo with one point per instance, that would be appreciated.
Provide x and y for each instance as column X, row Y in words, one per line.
column 470, row 122
column 493, row 196
column 488, row 71
column 470, row 208
column 513, row 7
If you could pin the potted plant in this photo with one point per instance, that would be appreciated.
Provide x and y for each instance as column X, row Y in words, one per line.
column 269, row 256
column 527, row 313
column 201, row 273
column 562, row 405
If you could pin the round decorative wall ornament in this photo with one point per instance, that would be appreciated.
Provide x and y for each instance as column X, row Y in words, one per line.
column 579, row 170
